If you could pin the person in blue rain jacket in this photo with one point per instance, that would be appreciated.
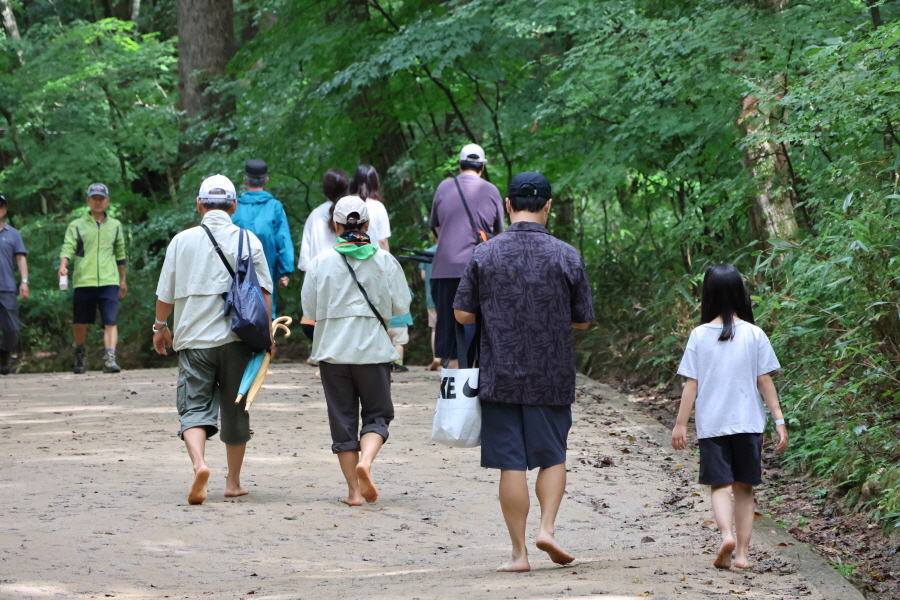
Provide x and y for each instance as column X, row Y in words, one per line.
column 259, row 212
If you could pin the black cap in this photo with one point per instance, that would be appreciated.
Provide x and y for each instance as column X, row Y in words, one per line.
column 2, row 198
column 256, row 168
column 529, row 183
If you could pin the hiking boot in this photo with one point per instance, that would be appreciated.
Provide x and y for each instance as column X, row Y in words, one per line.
column 4, row 363
column 398, row 368
column 80, row 354
column 109, row 363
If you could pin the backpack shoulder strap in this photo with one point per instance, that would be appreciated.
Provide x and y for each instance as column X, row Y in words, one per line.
column 218, row 250
column 363, row 290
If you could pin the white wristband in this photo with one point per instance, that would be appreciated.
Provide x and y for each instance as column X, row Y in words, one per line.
column 158, row 322
column 779, row 422
column 155, row 330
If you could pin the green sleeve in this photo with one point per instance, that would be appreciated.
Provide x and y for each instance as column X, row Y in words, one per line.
column 68, row 247
column 120, row 246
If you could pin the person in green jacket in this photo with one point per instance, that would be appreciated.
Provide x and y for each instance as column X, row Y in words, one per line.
column 95, row 246
column 259, row 212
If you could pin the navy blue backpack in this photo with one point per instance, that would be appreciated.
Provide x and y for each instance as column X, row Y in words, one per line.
column 244, row 301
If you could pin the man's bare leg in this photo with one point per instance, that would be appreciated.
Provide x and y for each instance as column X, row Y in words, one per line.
column 744, row 514
column 195, row 442
column 349, row 460
column 235, row 455
column 514, row 502
column 79, row 332
column 723, row 513
column 369, row 444
column 550, row 487
column 110, row 336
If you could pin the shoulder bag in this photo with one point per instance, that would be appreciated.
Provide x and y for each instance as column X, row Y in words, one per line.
column 480, row 235
column 244, row 301
column 363, row 290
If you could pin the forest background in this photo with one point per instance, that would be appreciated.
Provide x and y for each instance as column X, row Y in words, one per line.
column 676, row 134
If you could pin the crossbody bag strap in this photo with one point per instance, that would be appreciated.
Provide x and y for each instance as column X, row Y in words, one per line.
column 468, row 212
column 218, row 250
column 363, row 290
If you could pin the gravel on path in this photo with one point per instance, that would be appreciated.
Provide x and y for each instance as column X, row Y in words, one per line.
column 93, row 504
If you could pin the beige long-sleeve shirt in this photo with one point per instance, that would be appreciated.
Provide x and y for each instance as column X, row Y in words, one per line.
column 347, row 331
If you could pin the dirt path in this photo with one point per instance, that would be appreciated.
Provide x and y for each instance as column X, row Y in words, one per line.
column 94, row 483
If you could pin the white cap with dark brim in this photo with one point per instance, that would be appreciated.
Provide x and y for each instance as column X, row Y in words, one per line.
column 348, row 205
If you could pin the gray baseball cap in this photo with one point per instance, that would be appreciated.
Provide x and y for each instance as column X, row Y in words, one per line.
column 97, row 189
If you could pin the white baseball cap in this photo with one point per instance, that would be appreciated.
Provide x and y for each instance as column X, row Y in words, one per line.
column 348, row 205
column 472, row 153
column 217, row 187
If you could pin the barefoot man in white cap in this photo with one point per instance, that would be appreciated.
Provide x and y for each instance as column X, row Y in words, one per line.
column 211, row 357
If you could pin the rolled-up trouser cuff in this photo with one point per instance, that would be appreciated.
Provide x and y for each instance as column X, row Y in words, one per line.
column 337, row 448
column 211, row 430
column 379, row 426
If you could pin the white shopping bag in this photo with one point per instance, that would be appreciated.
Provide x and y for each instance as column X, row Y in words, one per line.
column 457, row 417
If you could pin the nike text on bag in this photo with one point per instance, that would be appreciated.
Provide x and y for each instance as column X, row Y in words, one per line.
column 244, row 301
column 457, row 417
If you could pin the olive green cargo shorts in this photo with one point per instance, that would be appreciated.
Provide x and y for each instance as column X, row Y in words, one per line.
column 208, row 383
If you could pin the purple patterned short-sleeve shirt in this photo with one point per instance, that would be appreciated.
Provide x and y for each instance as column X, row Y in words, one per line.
column 529, row 288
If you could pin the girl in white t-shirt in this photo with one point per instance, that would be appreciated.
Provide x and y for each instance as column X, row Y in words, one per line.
column 727, row 364
column 367, row 185
column 319, row 234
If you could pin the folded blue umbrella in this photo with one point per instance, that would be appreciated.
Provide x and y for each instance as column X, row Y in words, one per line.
column 250, row 372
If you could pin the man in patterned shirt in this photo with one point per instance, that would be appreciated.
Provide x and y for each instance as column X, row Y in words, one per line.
column 529, row 290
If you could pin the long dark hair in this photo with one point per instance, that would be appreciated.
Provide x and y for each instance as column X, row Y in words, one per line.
column 725, row 295
column 366, row 183
column 334, row 186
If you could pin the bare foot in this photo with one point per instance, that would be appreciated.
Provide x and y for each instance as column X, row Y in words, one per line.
column 515, row 566
column 235, row 492
column 723, row 558
column 269, row 372
column 198, row 491
column 317, row 374
column 311, row 362
column 741, row 562
column 548, row 544
column 351, row 501
column 435, row 365
column 366, row 486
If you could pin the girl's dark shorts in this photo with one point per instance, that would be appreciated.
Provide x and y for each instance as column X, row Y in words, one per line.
column 729, row 458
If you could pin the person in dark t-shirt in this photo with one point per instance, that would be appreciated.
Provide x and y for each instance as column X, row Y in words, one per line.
column 529, row 289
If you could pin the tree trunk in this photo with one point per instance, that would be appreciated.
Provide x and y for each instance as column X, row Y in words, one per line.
column 9, row 21
column 205, row 45
column 135, row 11
column 772, row 210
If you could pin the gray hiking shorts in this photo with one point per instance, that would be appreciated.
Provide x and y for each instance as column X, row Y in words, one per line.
column 208, row 383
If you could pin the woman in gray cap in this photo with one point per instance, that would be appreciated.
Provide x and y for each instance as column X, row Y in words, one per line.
column 351, row 294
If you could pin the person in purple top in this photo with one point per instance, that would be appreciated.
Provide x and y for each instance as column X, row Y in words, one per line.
column 466, row 210
column 529, row 289
column 12, row 251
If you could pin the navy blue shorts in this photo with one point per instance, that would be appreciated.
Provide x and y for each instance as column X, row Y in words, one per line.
column 88, row 299
column 519, row 437
column 729, row 458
